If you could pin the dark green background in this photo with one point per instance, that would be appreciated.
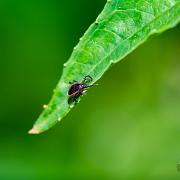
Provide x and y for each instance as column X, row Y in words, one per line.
column 126, row 128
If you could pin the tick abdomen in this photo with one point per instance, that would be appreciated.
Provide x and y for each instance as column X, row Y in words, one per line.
column 74, row 89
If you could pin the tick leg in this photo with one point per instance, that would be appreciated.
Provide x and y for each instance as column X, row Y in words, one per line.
column 76, row 101
column 83, row 93
column 87, row 78
column 90, row 85
column 70, row 100
column 73, row 82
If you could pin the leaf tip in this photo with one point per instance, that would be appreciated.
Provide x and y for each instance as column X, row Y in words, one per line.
column 33, row 131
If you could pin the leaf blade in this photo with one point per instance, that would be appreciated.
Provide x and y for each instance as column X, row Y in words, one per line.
column 120, row 28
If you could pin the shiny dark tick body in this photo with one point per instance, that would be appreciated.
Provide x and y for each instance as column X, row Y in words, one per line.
column 77, row 89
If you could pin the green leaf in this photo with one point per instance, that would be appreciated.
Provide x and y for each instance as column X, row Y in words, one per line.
column 119, row 29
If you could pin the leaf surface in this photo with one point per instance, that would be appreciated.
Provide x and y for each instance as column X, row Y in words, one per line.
column 119, row 29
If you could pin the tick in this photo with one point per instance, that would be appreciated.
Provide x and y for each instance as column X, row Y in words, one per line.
column 77, row 89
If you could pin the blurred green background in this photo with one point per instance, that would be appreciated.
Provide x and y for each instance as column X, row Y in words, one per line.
column 126, row 128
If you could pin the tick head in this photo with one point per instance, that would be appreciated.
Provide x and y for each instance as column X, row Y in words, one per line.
column 82, row 86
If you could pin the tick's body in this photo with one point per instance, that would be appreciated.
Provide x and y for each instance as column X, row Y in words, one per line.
column 77, row 89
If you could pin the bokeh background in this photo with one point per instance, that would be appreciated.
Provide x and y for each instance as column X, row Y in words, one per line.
column 126, row 128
